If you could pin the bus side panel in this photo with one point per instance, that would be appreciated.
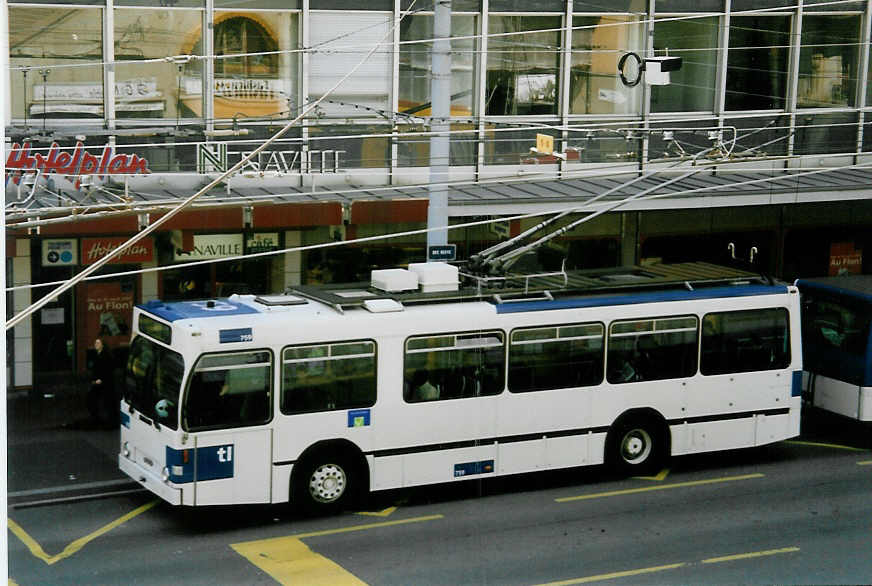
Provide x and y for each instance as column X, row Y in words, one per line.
column 836, row 396
column 865, row 404
column 518, row 457
column 447, row 465
column 712, row 436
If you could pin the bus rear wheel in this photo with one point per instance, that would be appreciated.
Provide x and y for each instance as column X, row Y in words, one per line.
column 324, row 484
column 636, row 446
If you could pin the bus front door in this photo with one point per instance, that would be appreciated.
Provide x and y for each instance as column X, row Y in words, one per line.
column 233, row 466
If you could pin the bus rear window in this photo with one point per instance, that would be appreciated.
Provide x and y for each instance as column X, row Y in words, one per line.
column 155, row 329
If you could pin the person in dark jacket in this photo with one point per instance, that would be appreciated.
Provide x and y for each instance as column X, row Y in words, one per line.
column 102, row 402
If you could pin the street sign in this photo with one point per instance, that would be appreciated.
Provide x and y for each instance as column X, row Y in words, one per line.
column 442, row 252
column 544, row 144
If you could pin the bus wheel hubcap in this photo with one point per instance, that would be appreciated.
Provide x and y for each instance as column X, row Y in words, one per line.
column 327, row 483
column 636, row 446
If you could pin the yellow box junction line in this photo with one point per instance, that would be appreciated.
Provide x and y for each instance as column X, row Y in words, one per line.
column 36, row 549
column 290, row 561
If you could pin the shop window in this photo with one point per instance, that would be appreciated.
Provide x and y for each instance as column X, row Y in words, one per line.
column 522, row 69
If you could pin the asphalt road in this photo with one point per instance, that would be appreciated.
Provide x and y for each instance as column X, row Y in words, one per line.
column 796, row 512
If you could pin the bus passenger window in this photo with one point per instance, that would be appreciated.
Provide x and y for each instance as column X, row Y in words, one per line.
column 745, row 341
column 556, row 357
column 454, row 366
column 652, row 349
column 229, row 390
column 328, row 377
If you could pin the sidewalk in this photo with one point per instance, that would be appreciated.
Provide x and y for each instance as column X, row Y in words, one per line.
column 55, row 451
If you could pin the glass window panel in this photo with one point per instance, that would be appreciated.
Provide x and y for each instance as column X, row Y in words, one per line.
column 341, row 381
column 744, row 341
column 665, row 6
column 598, row 43
column 161, row 3
column 262, row 80
column 761, row 136
column 738, row 5
column 340, row 140
column 598, row 142
column 413, row 145
column 503, row 146
column 229, row 390
column 259, row 4
column 533, row 335
column 161, row 153
column 522, row 69
column 867, row 133
column 828, row 61
column 757, row 62
column 415, row 65
column 556, row 364
column 648, row 355
column 596, row 6
column 157, row 89
column 826, row 133
column 56, row 45
column 522, row 6
column 688, row 138
column 306, row 352
column 473, row 370
column 344, row 41
column 692, row 88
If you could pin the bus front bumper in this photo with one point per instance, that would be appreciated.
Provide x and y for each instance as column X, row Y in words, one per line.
column 150, row 481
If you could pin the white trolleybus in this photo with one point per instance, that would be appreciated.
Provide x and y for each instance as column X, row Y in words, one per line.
column 322, row 394
column 837, row 344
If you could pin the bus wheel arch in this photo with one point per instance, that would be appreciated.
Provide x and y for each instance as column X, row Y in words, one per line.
column 328, row 477
column 638, row 442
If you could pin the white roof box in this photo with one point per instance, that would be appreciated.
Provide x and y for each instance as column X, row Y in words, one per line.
column 394, row 280
column 435, row 276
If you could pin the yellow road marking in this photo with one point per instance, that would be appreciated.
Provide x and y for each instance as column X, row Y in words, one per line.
column 659, row 487
column 383, row 513
column 753, row 554
column 659, row 478
column 289, row 561
column 653, row 569
column 823, row 445
column 614, row 575
column 36, row 549
column 865, row 463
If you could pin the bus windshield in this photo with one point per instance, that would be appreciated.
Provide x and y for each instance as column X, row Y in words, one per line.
column 153, row 380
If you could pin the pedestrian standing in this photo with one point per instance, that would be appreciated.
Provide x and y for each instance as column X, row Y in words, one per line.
column 102, row 402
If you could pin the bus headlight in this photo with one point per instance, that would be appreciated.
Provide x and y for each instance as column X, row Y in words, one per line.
column 165, row 474
column 125, row 450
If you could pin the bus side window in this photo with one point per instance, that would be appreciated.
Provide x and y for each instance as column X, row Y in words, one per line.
column 745, row 341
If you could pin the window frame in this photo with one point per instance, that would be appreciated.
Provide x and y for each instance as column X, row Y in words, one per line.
column 652, row 332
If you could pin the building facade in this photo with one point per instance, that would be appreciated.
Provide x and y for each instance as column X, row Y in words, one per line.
column 116, row 111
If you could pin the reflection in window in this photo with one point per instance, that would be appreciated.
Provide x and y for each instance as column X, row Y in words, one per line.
column 556, row 358
column 597, row 45
column 49, row 41
column 828, row 61
column 744, row 341
column 692, row 88
column 229, row 390
column 757, row 62
column 522, row 69
column 454, row 366
column 328, row 377
column 156, row 89
column 652, row 349
column 415, row 67
column 826, row 133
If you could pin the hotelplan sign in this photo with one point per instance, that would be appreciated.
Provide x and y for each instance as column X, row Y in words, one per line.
column 216, row 157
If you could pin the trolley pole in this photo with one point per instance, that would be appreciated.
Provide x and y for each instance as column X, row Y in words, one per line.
column 440, row 113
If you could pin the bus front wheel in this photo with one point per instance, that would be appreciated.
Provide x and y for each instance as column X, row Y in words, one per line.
column 324, row 484
column 636, row 446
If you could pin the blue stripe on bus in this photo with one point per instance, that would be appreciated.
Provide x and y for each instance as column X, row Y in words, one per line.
column 839, row 291
column 643, row 297
column 210, row 463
